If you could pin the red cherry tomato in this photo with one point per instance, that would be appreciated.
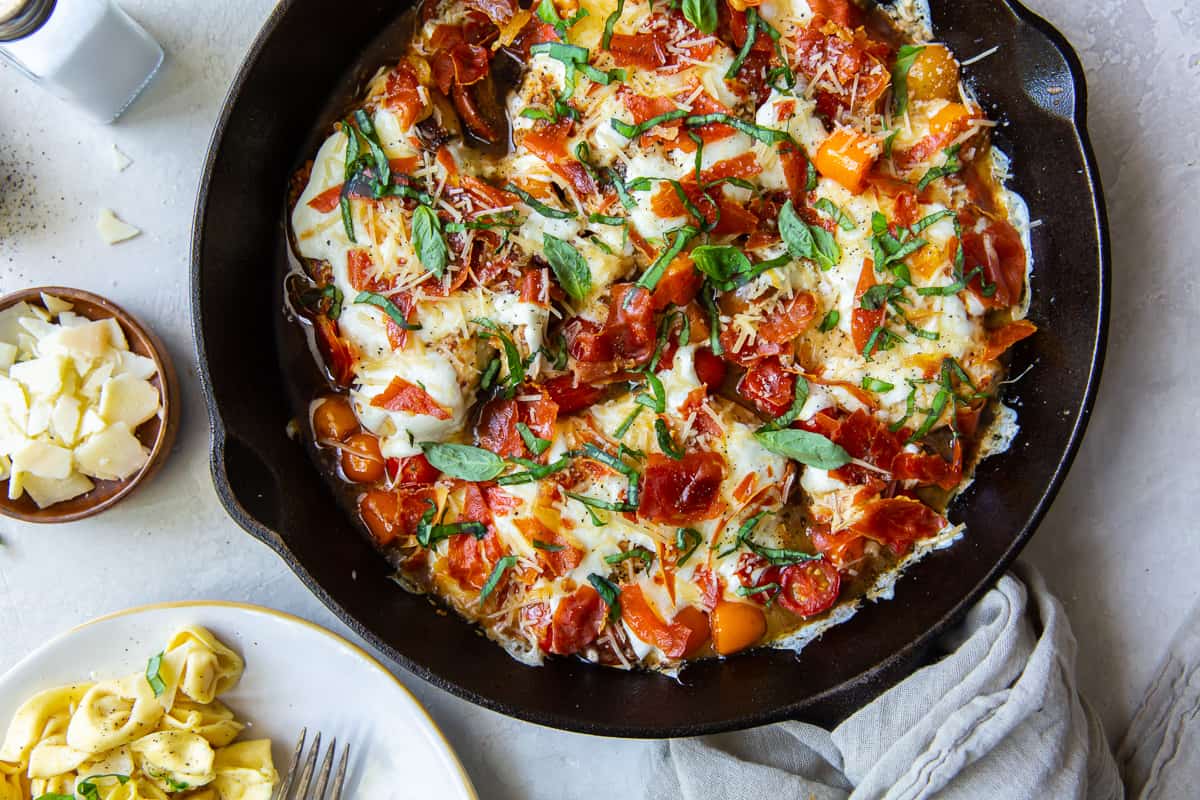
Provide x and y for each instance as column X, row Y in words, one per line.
column 810, row 588
column 710, row 368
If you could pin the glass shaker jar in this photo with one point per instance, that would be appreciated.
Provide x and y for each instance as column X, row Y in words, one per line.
column 88, row 52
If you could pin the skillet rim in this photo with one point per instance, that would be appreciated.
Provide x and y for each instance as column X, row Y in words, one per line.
column 881, row 671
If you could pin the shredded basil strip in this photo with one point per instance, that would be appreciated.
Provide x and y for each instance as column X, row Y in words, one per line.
column 504, row 564
column 538, row 205
column 512, row 356
column 625, row 425
column 743, row 591
column 634, row 131
column 549, row 547
column 830, row 321
column 427, row 239
column 347, row 217
column 609, row 592
column 153, row 677
column 636, row 552
column 596, row 502
column 622, row 190
column 601, row 77
column 751, row 36
column 666, row 442
column 534, row 471
column 951, row 166
column 463, row 461
column 764, row 135
column 714, row 321
column 311, row 298
column 686, row 542
column 610, row 25
column 905, row 57
column 806, row 447
column 876, row 385
column 388, row 307
column 569, row 267
column 780, row 557
column 538, row 113
column 536, row 444
column 654, row 273
column 606, row 219
column 743, row 533
column 566, row 53
column 910, row 407
column 87, row 788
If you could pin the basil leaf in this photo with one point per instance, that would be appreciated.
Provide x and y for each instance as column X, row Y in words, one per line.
column 686, row 542
column 806, row 447
column 388, row 307
column 536, row 444
column 569, row 267
column 428, row 242
column 153, row 677
column 463, row 461
column 836, row 214
column 535, row 471
column 830, row 321
column 795, row 233
column 506, row 563
column 610, row 24
column 538, row 205
column 609, row 592
column 904, row 60
column 762, row 134
column 636, row 552
column 634, row 131
column 702, row 14
column 793, row 413
column 825, row 247
column 721, row 263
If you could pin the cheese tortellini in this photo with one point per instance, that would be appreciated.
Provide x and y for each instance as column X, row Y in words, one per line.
column 154, row 735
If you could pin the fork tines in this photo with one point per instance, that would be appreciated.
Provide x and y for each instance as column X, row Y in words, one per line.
column 298, row 788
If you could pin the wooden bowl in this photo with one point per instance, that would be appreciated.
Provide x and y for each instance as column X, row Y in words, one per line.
column 157, row 434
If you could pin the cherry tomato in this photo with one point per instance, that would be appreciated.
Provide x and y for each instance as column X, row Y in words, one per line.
column 710, row 368
column 361, row 460
column 334, row 420
column 810, row 588
column 934, row 74
column 696, row 621
column 736, row 626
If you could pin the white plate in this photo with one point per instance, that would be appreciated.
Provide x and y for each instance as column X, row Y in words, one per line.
column 297, row 674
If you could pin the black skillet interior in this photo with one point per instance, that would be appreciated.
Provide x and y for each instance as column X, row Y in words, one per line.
column 308, row 60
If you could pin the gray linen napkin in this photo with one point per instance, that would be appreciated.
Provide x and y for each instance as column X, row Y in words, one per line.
column 998, row 716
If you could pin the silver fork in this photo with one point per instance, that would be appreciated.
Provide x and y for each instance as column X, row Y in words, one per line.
column 305, row 770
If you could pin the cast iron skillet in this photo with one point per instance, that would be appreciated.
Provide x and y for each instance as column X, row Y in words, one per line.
column 304, row 66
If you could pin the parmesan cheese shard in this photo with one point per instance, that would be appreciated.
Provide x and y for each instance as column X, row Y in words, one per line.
column 55, row 305
column 129, row 400
column 46, row 492
column 112, row 229
column 112, row 454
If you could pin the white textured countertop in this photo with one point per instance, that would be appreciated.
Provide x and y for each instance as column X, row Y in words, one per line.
column 1117, row 546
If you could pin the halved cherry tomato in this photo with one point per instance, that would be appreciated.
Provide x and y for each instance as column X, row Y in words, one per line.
column 361, row 460
column 390, row 515
column 334, row 420
column 412, row 470
column 736, row 626
column 810, row 588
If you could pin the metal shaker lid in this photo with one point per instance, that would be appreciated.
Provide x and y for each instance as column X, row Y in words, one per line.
column 19, row 18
